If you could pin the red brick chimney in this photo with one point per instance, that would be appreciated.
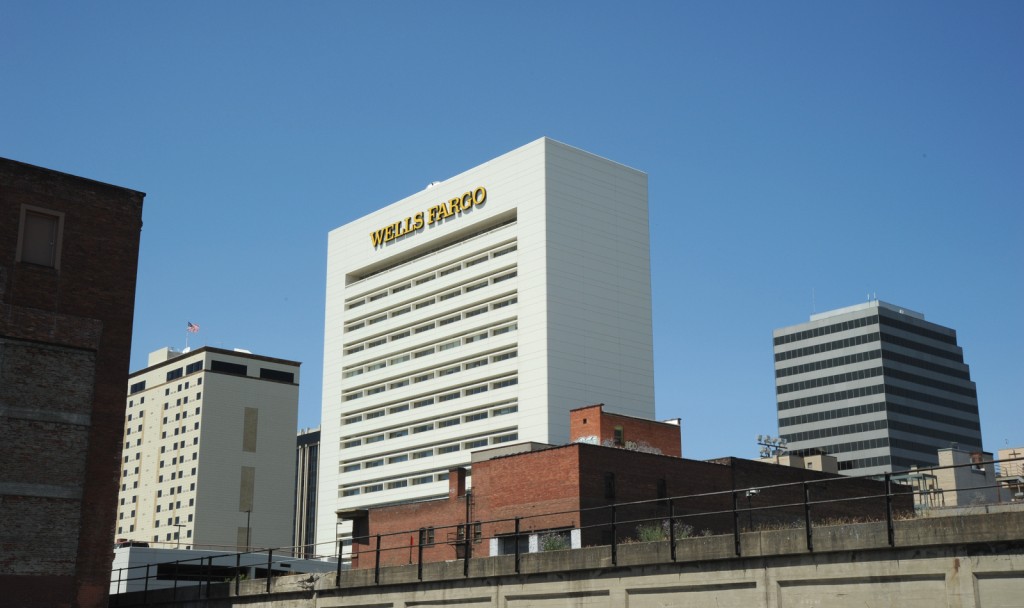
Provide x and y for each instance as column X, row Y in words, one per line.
column 456, row 483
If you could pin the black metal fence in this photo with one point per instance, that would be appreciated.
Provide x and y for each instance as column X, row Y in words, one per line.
column 806, row 504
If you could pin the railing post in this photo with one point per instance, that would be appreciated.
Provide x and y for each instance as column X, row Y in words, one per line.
column 174, row 593
column 516, row 541
column 337, row 575
column 468, row 552
column 615, row 547
column 888, row 511
column 209, row 573
column 376, row 563
column 672, row 529
column 238, row 570
column 419, row 553
column 145, row 587
column 270, row 564
column 117, row 601
column 807, row 516
column 735, row 523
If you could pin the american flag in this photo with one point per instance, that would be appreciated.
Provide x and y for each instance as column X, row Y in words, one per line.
column 192, row 328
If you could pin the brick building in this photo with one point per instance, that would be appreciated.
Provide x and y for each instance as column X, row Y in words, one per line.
column 68, row 258
column 568, row 491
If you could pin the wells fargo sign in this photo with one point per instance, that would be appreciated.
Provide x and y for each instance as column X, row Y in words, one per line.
column 452, row 207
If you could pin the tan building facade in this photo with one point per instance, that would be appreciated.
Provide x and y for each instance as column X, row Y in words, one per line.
column 209, row 450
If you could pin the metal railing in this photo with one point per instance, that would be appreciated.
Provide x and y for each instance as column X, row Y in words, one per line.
column 809, row 504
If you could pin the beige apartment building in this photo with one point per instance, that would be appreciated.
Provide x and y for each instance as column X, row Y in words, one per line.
column 209, row 450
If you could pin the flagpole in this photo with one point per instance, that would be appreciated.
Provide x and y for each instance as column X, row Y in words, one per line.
column 186, row 334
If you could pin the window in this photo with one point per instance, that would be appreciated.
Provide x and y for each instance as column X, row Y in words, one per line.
column 138, row 386
column 476, row 416
column 475, row 338
column 397, row 484
column 449, row 396
column 374, row 463
column 350, row 492
column 351, row 444
column 399, row 408
column 422, row 480
column 423, row 378
column 422, row 454
column 400, row 335
column 398, row 433
column 353, row 419
column 225, row 367
column 423, row 402
column 476, row 286
column 504, row 383
column 448, row 345
column 505, row 438
column 609, row 486
column 375, row 390
column 426, row 536
column 398, row 384
column 619, row 437
column 477, row 363
column 423, row 353
column 449, row 422
column 278, row 375
column 477, row 443
column 377, row 487
column 374, row 414
column 191, row 368
column 39, row 240
column 448, row 449
column 448, row 371
column 422, row 428
column 174, row 373
column 508, row 409
column 397, row 459
column 375, row 438
column 423, row 328
column 504, row 356
column 449, row 295
column 449, row 320
column 399, row 359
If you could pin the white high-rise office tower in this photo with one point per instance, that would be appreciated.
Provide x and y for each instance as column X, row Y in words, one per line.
column 480, row 311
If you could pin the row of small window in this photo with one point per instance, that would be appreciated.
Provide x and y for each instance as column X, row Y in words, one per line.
column 440, row 321
column 827, row 347
column 430, row 276
column 403, row 407
column 917, row 329
column 469, row 287
column 506, row 407
column 423, row 479
column 440, row 373
column 835, row 431
column 471, row 444
column 826, row 330
column 172, row 505
column 167, row 391
column 945, row 436
column 967, row 391
column 814, row 366
column 863, row 463
column 881, row 406
column 430, row 349
column 861, row 374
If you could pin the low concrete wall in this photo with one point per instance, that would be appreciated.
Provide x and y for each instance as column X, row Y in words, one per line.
column 965, row 561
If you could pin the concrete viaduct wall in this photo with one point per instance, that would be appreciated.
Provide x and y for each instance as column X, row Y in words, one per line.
column 965, row 562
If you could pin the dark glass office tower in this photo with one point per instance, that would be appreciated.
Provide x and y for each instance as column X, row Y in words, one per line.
column 876, row 386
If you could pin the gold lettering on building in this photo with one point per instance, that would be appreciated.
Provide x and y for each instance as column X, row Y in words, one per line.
column 414, row 223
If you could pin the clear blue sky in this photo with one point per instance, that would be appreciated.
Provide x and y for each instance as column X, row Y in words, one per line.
column 793, row 148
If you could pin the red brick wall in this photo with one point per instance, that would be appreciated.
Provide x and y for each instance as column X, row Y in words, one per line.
column 593, row 422
column 66, row 337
